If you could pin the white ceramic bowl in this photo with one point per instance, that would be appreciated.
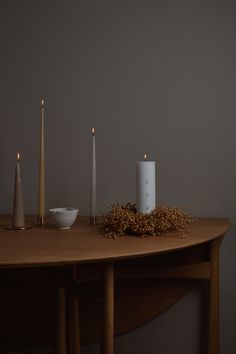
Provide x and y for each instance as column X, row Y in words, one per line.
column 63, row 218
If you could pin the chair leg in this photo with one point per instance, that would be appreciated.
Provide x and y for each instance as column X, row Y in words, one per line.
column 74, row 330
column 108, row 309
column 61, row 321
column 213, row 321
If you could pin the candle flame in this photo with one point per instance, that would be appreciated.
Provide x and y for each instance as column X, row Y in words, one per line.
column 42, row 103
column 18, row 157
column 93, row 131
column 145, row 157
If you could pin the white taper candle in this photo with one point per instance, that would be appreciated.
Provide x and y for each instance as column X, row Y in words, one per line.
column 41, row 197
column 93, row 205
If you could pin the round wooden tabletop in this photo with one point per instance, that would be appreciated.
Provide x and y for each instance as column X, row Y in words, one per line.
column 85, row 243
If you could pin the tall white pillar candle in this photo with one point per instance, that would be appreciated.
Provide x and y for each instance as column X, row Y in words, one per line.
column 145, row 186
column 93, row 204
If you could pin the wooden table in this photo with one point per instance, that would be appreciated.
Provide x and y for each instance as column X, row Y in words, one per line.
column 85, row 256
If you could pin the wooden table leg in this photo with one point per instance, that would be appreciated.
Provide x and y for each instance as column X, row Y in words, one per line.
column 213, row 325
column 61, row 321
column 74, row 331
column 108, row 309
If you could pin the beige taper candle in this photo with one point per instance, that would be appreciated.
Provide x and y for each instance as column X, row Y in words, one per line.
column 18, row 220
column 41, row 201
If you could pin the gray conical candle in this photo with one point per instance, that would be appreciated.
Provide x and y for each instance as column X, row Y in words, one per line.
column 18, row 220
column 93, row 205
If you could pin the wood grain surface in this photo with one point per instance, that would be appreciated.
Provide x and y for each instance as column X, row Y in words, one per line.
column 150, row 274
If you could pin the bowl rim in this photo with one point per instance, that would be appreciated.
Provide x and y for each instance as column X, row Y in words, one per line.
column 63, row 210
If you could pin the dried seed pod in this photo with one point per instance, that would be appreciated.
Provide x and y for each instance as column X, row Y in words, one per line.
column 124, row 219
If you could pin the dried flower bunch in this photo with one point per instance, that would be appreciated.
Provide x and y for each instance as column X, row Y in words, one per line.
column 125, row 220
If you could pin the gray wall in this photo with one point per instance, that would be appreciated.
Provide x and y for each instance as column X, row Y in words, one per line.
column 151, row 76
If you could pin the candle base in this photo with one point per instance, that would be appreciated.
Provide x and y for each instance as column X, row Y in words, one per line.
column 41, row 220
column 10, row 227
column 93, row 220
